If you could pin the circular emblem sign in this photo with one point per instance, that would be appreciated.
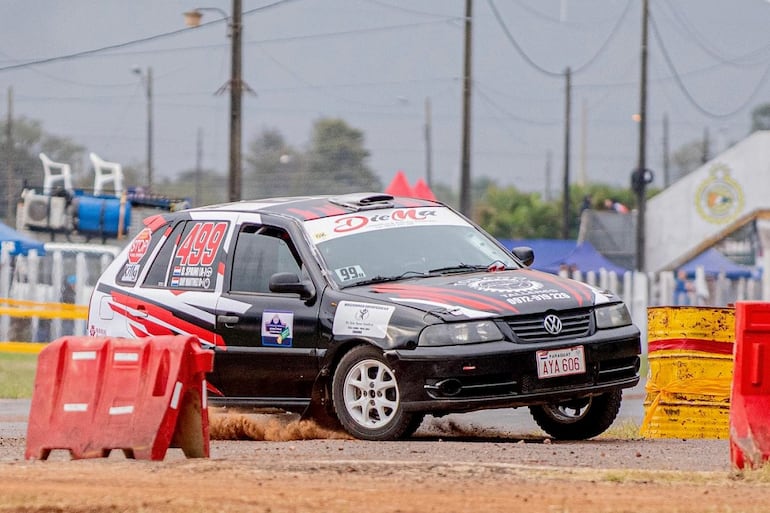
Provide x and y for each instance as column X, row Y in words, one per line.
column 719, row 198
column 139, row 246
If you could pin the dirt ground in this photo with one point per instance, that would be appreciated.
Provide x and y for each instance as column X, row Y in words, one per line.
column 278, row 464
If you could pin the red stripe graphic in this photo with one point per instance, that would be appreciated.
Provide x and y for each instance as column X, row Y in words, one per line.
column 162, row 314
column 580, row 292
column 691, row 344
column 459, row 297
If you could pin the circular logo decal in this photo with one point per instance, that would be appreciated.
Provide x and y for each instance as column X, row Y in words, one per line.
column 719, row 198
column 505, row 285
column 552, row 324
column 139, row 246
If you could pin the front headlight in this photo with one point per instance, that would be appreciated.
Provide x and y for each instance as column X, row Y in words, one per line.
column 612, row 316
column 459, row 333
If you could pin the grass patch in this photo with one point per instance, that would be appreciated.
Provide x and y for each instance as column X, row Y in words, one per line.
column 625, row 429
column 17, row 375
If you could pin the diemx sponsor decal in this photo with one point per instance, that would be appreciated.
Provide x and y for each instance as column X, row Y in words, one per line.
column 366, row 319
column 515, row 289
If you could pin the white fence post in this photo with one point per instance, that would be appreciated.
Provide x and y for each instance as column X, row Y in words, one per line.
column 5, row 287
column 57, row 282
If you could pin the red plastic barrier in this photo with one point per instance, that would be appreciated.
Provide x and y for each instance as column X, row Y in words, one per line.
column 142, row 396
column 750, row 400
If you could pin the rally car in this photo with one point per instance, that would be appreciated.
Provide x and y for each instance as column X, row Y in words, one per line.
column 371, row 311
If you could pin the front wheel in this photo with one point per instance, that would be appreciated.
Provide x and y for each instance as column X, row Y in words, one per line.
column 578, row 419
column 366, row 396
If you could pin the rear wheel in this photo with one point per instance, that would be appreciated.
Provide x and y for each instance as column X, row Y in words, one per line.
column 578, row 419
column 366, row 396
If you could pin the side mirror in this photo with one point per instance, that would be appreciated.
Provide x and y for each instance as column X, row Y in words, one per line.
column 525, row 254
column 290, row 283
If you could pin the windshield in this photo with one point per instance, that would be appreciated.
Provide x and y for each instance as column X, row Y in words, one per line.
column 385, row 245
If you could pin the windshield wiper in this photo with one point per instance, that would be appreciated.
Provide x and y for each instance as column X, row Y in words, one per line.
column 459, row 268
column 496, row 265
column 382, row 279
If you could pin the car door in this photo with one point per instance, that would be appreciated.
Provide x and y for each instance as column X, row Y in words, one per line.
column 271, row 339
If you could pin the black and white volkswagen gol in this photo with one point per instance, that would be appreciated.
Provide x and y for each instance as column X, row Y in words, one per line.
column 372, row 311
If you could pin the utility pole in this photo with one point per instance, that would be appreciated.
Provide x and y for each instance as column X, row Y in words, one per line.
column 640, row 176
column 548, row 166
column 565, row 185
column 465, row 163
column 198, row 166
column 236, row 85
column 666, row 176
column 236, row 94
column 9, row 155
column 583, row 172
column 146, row 79
column 428, row 148
column 149, row 129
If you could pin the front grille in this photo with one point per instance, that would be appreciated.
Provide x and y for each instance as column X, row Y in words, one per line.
column 575, row 323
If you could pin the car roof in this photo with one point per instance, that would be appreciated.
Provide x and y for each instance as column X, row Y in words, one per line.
column 305, row 208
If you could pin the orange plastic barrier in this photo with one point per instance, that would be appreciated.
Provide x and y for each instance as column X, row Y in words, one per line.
column 142, row 396
column 750, row 401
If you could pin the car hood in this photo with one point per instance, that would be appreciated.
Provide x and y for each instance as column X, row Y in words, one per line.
column 488, row 294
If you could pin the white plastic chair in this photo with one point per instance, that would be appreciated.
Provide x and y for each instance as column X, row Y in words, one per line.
column 106, row 173
column 55, row 172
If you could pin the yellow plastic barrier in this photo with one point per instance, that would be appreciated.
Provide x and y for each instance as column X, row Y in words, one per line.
column 691, row 369
column 22, row 308
column 22, row 347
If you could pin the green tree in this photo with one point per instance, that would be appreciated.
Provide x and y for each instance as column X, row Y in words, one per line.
column 687, row 158
column 29, row 140
column 273, row 168
column 511, row 214
column 760, row 117
column 336, row 161
column 212, row 187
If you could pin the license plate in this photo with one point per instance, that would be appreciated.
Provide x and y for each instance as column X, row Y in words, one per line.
column 560, row 362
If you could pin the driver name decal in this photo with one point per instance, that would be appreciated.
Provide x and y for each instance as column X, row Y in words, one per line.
column 365, row 319
column 516, row 290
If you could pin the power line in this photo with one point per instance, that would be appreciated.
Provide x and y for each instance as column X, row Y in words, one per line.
column 124, row 44
column 541, row 69
column 687, row 93
column 703, row 43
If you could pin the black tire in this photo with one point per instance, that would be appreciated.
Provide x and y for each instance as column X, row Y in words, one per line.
column 366, row 397
column 578, row 419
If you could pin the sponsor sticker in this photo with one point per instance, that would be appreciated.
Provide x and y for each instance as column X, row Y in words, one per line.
column 139, row 246
column 366, row 319
column 277, row 328
column 516, row 290
column 328, row 228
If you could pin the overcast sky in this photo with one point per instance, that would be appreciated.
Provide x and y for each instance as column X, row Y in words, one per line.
column 374, row 63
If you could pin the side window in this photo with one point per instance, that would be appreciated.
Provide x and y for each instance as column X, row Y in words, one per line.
column 260, row 252
column 156, row 276
column 138, row 253
column 189, row 258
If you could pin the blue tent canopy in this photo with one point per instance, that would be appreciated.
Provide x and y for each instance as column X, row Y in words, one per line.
column 552, row 254
column 715, row 263
column 546, row 250
column 585, row 258
column 22, row 243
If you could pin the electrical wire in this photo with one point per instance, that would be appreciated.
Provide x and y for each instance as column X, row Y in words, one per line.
column 687, row 93
column 380, row 3
column 133, row 42
column 541, row 69
column 702, row 42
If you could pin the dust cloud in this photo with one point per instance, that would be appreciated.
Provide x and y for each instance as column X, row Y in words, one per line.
column 268, row 428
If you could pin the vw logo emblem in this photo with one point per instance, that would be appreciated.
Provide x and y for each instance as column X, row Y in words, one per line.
column 552, row 324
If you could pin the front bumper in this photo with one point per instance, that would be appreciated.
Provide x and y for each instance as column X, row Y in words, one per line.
column 504, row 374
